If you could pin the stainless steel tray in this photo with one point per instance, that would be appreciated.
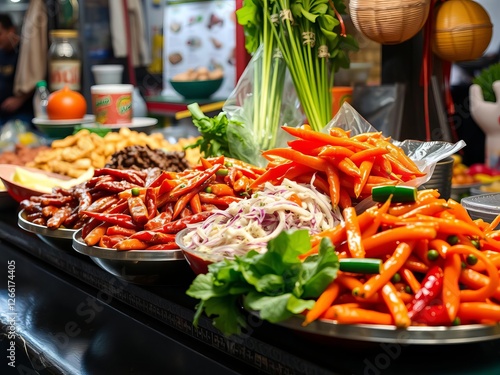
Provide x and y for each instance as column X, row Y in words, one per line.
column 138, row 266
column 423, row 335
column 61, row 233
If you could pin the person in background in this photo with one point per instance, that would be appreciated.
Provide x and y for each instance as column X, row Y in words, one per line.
column 12, row 107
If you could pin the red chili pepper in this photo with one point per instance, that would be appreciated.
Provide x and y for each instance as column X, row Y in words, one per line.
column 48, row 211
column 150, row 201
column 109, row 242
column 115, row 230
column 242, row 184
column 196, row 181
column 113, row 219
column 430, row 289
column 152, row 237
column 164, row 246
column 57, row 201
column 84, row 197
column 114, row 186
column 102, row 204
column 130, row 244
column 58, row 218
column 433, row 315
column 94, row 180
column 161, row 219
column 220, row 189
column 72, row 218
column 130, row 175
column 167, row 186
column 272, row 174
column 138, row 210
column 159, row 180
column 180, row 224
column 220, row 202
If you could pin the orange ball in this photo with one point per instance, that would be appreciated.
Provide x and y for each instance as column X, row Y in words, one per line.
column 66, row 104
column 462, row 30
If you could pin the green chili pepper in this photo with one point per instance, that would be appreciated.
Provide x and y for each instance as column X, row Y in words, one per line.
column 222, row 172
column 228, row 164
column 432, row 255
column 208, row 189
column 475, row 243
column 360, row 265
column 399, row 193
column 136, row 192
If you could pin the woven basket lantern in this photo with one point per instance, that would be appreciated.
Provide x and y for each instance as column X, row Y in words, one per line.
column 389, row 21
column 462, row 30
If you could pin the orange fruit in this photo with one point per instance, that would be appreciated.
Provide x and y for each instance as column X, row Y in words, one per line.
column 66, row 104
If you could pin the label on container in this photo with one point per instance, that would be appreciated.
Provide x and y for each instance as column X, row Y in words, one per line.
column 113, row 108
column 64, row 73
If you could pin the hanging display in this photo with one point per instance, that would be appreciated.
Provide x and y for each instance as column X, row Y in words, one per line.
column 462, row 30
column 389, row 21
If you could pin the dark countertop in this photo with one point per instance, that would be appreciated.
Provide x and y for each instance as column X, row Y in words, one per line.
column 71, row 317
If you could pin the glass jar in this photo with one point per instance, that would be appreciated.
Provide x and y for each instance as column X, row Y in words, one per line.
column 64, row 60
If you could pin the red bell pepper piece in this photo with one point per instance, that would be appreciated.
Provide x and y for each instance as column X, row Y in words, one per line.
column 430, row 289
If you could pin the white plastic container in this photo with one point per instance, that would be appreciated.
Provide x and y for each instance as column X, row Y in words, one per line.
column 107, row 74
column 112, row 104
column 484, row 206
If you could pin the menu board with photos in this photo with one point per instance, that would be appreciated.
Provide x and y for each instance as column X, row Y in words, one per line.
column 200, row 34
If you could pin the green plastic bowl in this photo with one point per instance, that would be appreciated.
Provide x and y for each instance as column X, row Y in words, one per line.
column 197, row 89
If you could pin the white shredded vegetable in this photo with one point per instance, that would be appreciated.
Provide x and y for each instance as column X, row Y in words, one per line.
column 250, row 223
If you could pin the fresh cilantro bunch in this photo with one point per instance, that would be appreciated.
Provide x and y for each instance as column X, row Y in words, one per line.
column 213, row 131
column 221, row 136
column 277, row 284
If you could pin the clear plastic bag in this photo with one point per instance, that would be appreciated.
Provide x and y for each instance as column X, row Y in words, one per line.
column 425, row 154
column 251, row 103
column 17, row 132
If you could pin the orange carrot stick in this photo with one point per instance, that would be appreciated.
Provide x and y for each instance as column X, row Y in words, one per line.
column 388, row 269
column 488, row 290
column 451, row 287
column 396, row 306
column 353, row 232
column 323, row 302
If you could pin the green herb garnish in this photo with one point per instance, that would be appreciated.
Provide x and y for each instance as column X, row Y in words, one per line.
column 276, row 284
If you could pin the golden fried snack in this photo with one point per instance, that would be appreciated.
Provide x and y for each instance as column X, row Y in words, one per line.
column 75, row 154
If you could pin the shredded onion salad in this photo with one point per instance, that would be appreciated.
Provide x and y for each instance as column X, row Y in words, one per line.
column 250, row 223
